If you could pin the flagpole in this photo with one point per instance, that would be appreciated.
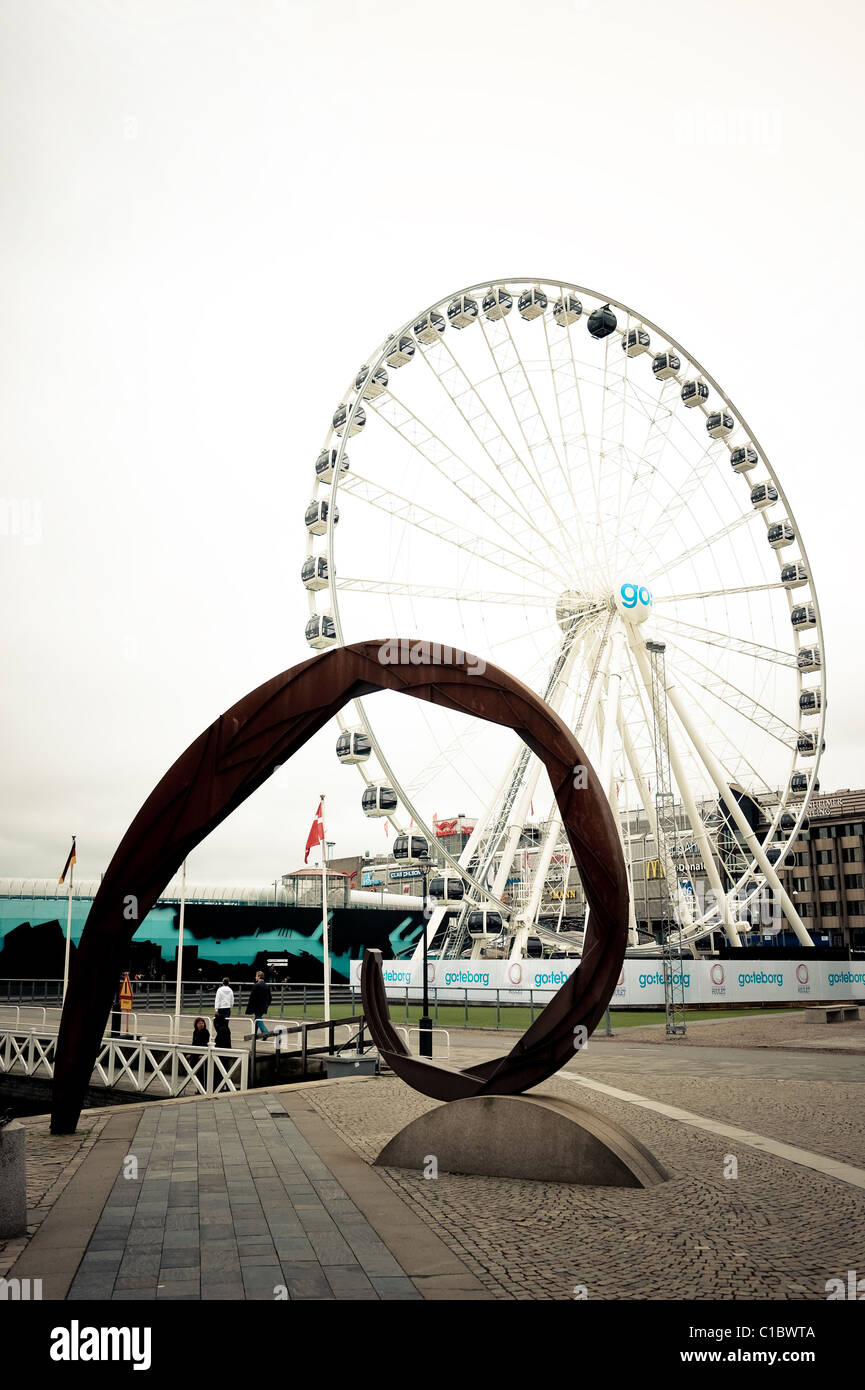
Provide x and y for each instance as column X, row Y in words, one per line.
column 178, row 989
column 324, row 915
column 68, row 924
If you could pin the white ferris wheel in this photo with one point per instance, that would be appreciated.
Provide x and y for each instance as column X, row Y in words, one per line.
column 534, row 473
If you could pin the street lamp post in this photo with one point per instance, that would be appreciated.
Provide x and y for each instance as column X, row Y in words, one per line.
column 425, row 1038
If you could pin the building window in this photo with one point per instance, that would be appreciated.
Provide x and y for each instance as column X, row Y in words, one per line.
column 852, row 855
column 825, row 856
column 826, row 882
column 800, row 860
column 802, row 885
column 805, row 909
column 829, row 909
column 853, row 881
column 855, row 829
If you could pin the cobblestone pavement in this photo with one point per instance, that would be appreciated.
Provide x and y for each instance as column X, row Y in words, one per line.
column 788, row 1030
column 52, row 1161
column 777, row 1231
column 825, row 1117
column 231, row 1202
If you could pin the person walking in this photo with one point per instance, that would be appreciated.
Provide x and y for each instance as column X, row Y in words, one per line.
column 224, row 1001
column 221, row 1031
column 259, row 1003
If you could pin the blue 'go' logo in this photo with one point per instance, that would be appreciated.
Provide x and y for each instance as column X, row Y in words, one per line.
column 632, row 594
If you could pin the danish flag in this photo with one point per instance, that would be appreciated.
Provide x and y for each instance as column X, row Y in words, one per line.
column 316, row 834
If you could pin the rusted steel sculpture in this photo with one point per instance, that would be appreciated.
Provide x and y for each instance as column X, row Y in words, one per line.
column 239, row 752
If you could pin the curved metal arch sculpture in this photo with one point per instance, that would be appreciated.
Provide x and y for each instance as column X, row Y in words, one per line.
column 240, row 750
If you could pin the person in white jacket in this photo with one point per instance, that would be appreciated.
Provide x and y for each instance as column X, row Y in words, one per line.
column 224, row 1000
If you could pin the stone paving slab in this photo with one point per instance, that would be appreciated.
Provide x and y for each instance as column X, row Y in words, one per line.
column 230, row 1200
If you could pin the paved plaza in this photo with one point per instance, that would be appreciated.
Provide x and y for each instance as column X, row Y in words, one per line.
column 271, row 1193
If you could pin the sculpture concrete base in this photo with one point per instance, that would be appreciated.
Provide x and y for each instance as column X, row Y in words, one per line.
column 13, row 1181
column 538, row 1137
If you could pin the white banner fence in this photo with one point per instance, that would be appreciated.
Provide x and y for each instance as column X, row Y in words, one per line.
column 641, row 982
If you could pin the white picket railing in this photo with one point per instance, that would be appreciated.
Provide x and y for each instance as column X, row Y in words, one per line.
column 148, row 1068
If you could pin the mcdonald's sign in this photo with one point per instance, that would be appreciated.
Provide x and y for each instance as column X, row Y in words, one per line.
column 654, row 868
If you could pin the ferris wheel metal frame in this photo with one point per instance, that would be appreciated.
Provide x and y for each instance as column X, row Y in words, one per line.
column 760, row 870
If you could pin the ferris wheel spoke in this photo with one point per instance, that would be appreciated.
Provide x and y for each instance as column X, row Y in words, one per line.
column 719, row 593
column 689, row 490
column 723, row 741
column 463, row 395
column 509, row 461
column 647, row 471
column 458, row 746
column 456, row 471
column 729, row 641
column 571, row 410
column 534, row 430
column 408, row 805
column 757, row 714
column 434, row 591
column 705, row 543
column 559, row 357
column 414, row 515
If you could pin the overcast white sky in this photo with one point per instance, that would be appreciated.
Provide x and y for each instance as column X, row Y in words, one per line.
column 212, row 212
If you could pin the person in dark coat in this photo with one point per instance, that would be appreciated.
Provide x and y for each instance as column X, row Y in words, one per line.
column 221, row 1032
column 259, row 1003
column 200, row 1034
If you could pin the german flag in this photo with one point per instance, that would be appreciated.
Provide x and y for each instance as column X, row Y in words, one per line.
column 69, row 862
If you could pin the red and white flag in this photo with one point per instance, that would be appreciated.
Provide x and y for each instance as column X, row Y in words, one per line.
column 316, row 834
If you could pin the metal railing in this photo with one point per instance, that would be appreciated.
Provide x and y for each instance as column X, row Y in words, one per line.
column 359, row 1039
column 435, row 1032
column 161, row 1069
column 155, row 999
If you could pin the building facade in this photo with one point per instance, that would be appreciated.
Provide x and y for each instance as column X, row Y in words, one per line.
column 825, row 879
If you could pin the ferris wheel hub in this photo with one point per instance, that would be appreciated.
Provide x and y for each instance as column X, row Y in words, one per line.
column 571, row 607
column 633, row 601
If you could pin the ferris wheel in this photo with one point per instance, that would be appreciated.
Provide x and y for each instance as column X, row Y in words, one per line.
column 534, row 473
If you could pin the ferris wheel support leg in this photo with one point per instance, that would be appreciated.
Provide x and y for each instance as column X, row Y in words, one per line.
column 551, row 839
column 599, row 659
column 466, row 857
column 716, row 772
column 649, row 812
column 519, row 943
column 521, row 806
column 611, row 705
column 430, row 928
column 690, row 805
